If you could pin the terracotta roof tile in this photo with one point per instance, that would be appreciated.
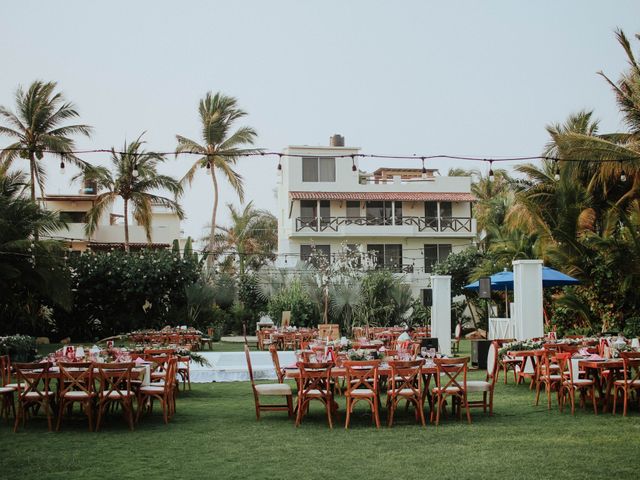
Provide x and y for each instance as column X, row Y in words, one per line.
column 402, row 196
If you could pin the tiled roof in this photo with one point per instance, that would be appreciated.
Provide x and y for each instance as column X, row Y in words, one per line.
column 402, row 196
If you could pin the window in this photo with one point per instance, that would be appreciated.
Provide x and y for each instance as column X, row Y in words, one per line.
column 306, row 250
column 434, row 254
column 325, row 212
column 398, row 213
column 445, row 209
column 431, row 209
column 353, row 251
column 309, row 212
column 316, row 169
column 73, row 217
column 387, row 256
column 378, row 213
column 353, row 209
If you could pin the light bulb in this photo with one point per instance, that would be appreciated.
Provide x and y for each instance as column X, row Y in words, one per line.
column 623, row 177
column 135, row 172
column 491, row 176
column 62, row 167
column 557, row 176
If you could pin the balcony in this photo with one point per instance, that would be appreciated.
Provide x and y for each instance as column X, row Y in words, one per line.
column 384, row 226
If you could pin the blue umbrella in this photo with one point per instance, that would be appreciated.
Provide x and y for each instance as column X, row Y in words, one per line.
column 504, row 280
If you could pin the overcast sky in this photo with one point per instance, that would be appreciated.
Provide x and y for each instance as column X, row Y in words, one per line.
column 404, row 77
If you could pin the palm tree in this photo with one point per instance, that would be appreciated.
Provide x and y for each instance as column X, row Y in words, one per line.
column 220, row 148
column 36, row 129
column 134, row 176
column 252, row 237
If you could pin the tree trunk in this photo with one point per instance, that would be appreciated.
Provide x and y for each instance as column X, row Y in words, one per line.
column 126, row 225
column 32, row 167
column 213, row 216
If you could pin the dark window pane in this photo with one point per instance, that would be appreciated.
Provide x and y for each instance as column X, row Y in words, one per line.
column 430, row 209
column 375, row 213
column 393, row 257
column 305, row 251
column 445, row 209
column 444, row 250
column 327, row 170
column 73, row 217
column 398, row 213
column 310, row 169
column 430, row 257
column 353, row 209
column 377, row 253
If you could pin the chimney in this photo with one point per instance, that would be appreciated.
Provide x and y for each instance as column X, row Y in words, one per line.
column 336, row 140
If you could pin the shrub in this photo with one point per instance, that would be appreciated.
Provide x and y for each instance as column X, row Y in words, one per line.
column 20, row 348
column 297, row 300
column 117, row 292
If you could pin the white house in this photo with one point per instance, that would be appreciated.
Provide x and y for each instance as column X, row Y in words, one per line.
column 411, row 218
column 165, row 225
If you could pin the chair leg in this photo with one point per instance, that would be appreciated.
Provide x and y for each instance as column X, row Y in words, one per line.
column 392, row 407
column 290, row 406
column 60, row 410
column 349, row 406
column 593, row 399
column 328, row 405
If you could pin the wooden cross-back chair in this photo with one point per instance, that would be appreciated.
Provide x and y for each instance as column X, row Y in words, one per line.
column 315, row 384
column 548, row 376
column 164, row 393
column 76, row 386
column 362, row 384
column 455, row 343
column 184, row 371
column 451, row 382
column 33, row 391
column 406, row 384
column 571, row 382
column 630, row 382
column 7, row 403
column 269, row 390
column 273, row 351
column 115, row 387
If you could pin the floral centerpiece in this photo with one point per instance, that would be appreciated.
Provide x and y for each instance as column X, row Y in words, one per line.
column 616, row 348
column 363, row 355
column 519, row 346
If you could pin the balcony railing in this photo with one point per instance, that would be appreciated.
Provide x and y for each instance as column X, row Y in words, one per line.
column 435, row 224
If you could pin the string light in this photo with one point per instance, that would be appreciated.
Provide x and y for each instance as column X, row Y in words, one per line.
column 424, row 170
column 353, row 163
column 279, row 162
column 557, row 175
column 61, row 166
column 135, row 171
column 491, row 176
column 623, row 176
column 259, row 152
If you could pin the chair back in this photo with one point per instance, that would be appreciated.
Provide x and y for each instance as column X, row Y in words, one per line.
column 76, row 377
column 114, row 378
column 159, row 351
column 170, row 378
column 567, row 366
column 5, row 370
column 544, row 363
column 451, row 373
column 314, row 376
column 247, row 355
column 29, row 376
column 407, row 375
column 361, row 375
column 492, row 362
column 273, row 350
column 631, row 366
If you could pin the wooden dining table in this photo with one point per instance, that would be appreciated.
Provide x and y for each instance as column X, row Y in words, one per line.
column 604, row 383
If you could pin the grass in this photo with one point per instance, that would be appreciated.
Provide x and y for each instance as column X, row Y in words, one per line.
column 215, row 435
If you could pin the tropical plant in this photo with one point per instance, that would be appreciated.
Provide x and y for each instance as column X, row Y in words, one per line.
column 31, row 271
column 37, row 128
column 249, row 241
column 219, row 149
column 133, row 177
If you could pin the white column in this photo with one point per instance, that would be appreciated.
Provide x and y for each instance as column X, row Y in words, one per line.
column 441, row 311
column 527, row 296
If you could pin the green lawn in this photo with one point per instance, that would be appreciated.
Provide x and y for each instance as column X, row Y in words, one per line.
column 215, row 435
